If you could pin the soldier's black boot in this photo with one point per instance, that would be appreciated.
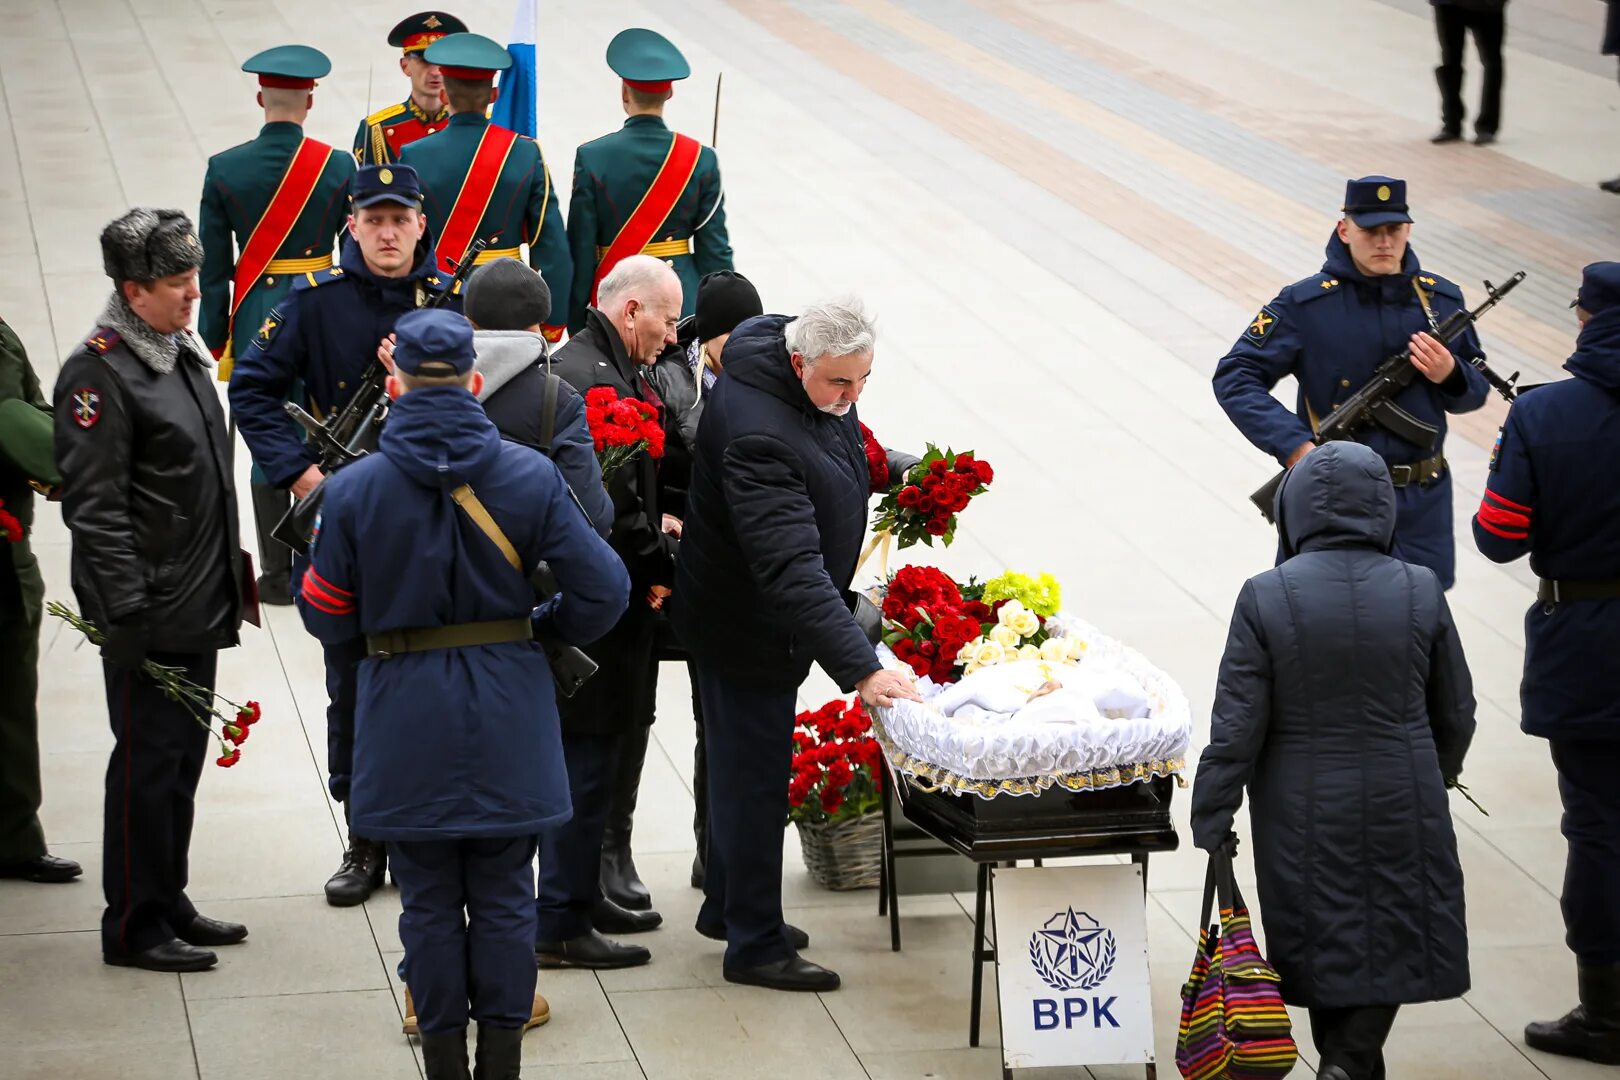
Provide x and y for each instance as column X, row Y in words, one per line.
column 1592, row 1029
column 620, row 881
column 444, row 1056
column 361, row 873
column 500, row 1053
column 270, row 504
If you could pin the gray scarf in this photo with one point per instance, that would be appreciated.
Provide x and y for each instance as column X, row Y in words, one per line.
column 160, row 352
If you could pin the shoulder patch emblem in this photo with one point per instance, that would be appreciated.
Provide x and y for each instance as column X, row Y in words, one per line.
column 86, row 407
column 1496, row 449
column 1263, row 324
column 268, row 328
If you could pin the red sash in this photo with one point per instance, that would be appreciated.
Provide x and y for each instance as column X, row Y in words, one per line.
column 303, row 173
column 477, row 189
column 679, row 165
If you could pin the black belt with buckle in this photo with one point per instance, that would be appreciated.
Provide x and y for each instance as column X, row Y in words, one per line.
column 1421, row 473
column 1563, row 592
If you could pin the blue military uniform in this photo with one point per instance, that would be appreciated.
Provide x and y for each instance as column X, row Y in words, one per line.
column 1331, row 331
column 324, row 336
column 459, row 764
column 1550, row 495
column 522, row 208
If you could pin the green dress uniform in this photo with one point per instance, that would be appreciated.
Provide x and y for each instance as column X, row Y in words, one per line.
column 382, row 135
column 26, row 454
column 613, row 174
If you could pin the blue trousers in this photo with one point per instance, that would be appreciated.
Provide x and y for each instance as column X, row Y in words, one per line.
column 748, row 738
column 571, row 854
column 467, row 922
column 1591, row 824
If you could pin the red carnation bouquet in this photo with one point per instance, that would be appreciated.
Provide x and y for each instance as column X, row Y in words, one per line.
column 835, row 765
column 621, row 428
column 924, row 503
column 10, row 527
column 927, row 619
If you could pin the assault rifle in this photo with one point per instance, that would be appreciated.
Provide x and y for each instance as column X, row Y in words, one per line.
column 351, row 432
column 1374, row 402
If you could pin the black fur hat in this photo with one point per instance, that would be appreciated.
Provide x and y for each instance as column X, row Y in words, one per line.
column 147, row 244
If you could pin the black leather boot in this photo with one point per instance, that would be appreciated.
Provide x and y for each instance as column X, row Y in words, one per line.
column 444, row 1056
column 500, row 1053
column 361, row 873
column 700, row 788
column 270, row 505
column 620, row 881
column 1592, row 1029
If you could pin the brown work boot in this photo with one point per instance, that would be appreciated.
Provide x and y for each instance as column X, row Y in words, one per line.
column 538, row 1014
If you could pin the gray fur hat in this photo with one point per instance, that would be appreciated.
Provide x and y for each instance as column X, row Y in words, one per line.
column 506, row 295
column 147, row 244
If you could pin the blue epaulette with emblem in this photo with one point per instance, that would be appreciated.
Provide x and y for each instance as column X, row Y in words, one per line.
column 436, row 282
column 101, row 339
column 313, row 278
column 1311, row 288
column 1439, row 285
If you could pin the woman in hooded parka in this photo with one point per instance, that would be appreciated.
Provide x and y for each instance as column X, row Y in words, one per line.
column 1344, row 704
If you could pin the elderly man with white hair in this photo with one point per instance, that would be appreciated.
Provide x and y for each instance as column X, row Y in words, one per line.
column 775, row 516
column 638, row 305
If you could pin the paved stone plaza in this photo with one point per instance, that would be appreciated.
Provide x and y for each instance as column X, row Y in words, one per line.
column 1064, row 211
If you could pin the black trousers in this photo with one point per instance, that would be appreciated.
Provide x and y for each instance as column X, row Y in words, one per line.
column 700, row 771
column 1353, row 1038
column 571, row 854
column 151, row 786
column 22, row 596
column 1591, row 824
column 1453, row 23
column 749, row 735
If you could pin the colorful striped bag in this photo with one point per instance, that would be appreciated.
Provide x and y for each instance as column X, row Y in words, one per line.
column 1233, row 1024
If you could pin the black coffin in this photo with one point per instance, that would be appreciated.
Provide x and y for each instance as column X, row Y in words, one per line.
column 1054, row 824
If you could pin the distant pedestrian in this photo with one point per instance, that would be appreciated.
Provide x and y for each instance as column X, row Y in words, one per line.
column 1453, row 21
column 1611, row 47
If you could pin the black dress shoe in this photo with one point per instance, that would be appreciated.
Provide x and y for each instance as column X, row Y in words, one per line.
column 275, row 590
column 621, row 882
column 697, row 871
column 797, row 938
column 794, row 973
column 609, row 918
column 47, row 869
column 211, row 933
column 360, row 875
column 1446, row 135
column 1611, row 186
column 1484, row 138
column 172, row 955
column 589, row 951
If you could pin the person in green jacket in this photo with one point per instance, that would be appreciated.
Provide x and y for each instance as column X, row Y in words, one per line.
column 27, row 460
column 615, row 175
column 507, row 197
column 272, row 206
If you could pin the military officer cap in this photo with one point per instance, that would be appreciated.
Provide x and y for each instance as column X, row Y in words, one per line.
column 146, row 244
column 646, row 60
column 468, row 56
column 289, row 67
column 431, row 341
column 373, row 184
column 417, row 32
column 1600, row 288
column 1376, row 200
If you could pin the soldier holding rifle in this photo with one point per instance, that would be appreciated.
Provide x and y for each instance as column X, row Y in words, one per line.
column 1332, row 331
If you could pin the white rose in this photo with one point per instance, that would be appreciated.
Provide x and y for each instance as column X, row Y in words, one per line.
column 1008, row 610
column 1029, row 652
column 1005, row 636
column 1077, row 649
column 987, row 653
column 1023, row 621
column 1055, row 649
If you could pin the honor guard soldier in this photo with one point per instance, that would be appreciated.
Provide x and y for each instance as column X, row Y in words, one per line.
column 271, row 209
column 1332, row 330
column 27, row 465
column 1550, row 494
column 460, row 765
column 323, row 336
column 386, row 132
column 149, row 496
column 481, row 180
column 645, row 189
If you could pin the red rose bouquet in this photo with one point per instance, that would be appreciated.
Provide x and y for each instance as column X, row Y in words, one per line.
column 924, row 503
column 10, row 527
column 205, row 705
column 835, row 765
column 621, row 428
column 877, row 462
column 927, row 620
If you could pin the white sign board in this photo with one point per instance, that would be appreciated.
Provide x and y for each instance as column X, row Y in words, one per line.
column 1072, row 966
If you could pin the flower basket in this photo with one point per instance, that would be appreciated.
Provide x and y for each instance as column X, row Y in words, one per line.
column 846, row 854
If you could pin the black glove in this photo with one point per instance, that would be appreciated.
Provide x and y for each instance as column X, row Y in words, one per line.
column 125, row 644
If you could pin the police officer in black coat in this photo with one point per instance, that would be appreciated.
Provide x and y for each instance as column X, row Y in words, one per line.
column 149, row 497
column 775, row 516
column 323, row 335
column 639, row 305
column 1541, row 500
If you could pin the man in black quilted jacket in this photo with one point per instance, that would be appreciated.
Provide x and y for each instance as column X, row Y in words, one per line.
column 775, row 516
